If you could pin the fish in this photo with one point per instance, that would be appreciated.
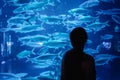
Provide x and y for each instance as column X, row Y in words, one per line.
column 106, row 37
column 116, row 19
column 30, row 7
column 102, row 59
column 55, row 44
column 91, row 51
column 89, row 41
column 89, row 4
column 39, row 63
column 23, row 29
column 9, row 2
column 72, row 23
column 86, row 19
column 108, row 1
column 113, row 11
column 24, row 54
column 52, row 19
column 19, row 10
column 30, row 78
column 24, row 16
column 35, row 5
column 12, row 76
column 44, row 60
column 34, row 38
column 76, row 11
column 21, row 2
column 27, row 28
column 47, row 56
column 97, row 26
column 116, row 29
column 32, row 44
column 42, row 64
column 18, row 20
column 88, row 30
column 94, row 51
column 61, row 36
column 48, row 75
column 40, row 51
column 5, row 29
column 6, row 76
column 24, row 39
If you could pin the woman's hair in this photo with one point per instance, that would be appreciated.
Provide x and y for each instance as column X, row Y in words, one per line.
column 78, row 37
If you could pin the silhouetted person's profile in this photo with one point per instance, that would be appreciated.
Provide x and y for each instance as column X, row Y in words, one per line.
column 76, row 64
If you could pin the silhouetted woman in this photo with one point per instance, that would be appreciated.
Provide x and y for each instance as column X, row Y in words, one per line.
column 77, row 65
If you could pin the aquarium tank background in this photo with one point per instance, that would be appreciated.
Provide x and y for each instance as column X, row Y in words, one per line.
column 34, row 35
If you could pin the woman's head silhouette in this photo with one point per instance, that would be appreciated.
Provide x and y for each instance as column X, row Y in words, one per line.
column 78, row 38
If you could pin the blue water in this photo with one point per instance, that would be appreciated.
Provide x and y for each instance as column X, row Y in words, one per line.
column 34, row 35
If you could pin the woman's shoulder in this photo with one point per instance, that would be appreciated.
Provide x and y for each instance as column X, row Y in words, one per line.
column 89, row 57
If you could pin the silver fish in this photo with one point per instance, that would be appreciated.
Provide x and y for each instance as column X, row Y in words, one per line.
column 39, row 63
column 103, row 59
column 30, row 78
column 116, row 18
column 108, row 1
column 89, row 3
column 51, row 19
column 40, row 51
column 72, row 23
column 47, row 56
column 48, row 75
column 61, row 36
column 31, row 6
column 35, row 38
column 27, row 28
column 55, row 44
column 19, row 10
column 18, row 20
column 91, row 51
column 117, row 29
column 24, row 54
column 5, row 29
column 75, row 11
column 86, row 19
column 32, row 44
column 12, row 76
column 107, row 36
column 97, row 26
column 113, row 11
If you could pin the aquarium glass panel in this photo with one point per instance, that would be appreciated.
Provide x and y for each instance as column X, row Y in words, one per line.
column 34, row 36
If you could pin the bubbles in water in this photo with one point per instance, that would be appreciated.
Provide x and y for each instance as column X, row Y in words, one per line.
column 107, row 45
